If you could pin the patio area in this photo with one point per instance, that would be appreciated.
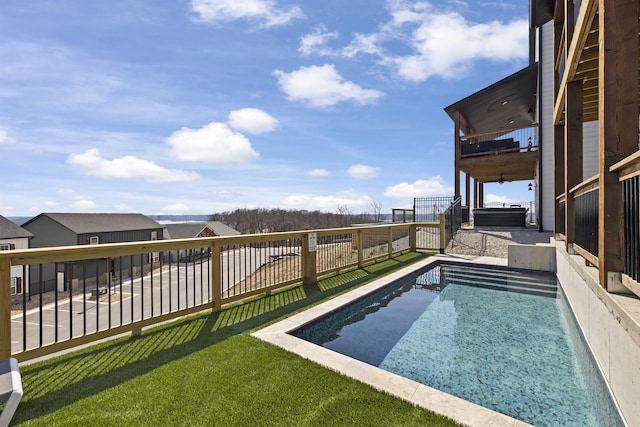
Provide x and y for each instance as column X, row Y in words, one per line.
column 493, row 241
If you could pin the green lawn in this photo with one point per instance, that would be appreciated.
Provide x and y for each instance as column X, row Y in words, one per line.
column 207, row 370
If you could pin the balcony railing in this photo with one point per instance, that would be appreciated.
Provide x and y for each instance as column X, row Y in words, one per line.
column 504, row 141
column 631, row 200
column 585, row 219
column 99, row 291
column 562, row 214
column 628, row 171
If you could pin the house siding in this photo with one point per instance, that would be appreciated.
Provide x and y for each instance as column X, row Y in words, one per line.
column 17, row 271
column 589, row 149
column 49, row 232
column 545, row 182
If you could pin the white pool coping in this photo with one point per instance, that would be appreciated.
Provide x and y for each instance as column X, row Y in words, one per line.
column 458, row 409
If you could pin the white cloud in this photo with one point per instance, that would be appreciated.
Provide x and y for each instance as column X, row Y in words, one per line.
column 252, row 120
column 315, row 43
column 123, row 207
column 74, row 200
column 496, row 199
column 175, row 209
column 322, row 86
column 350, row 198
column 363, row 171
column 214, row 143
column 319, row 172
column 439, row 43
column 264, row 13
column 92, row 163
column 434, row 186
column 447, row 44
column 4, row 137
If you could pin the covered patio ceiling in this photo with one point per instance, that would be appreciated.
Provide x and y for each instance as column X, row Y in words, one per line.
column 505, row 166
column 505, row 105
column 496, row 110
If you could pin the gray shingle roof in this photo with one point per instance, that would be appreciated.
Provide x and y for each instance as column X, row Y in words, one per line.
column 222, row 229
column 188, row 230
column 184, row 230
column 10, row 230
column 82, row 223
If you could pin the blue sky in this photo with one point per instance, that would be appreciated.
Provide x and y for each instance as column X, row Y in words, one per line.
column 201, row 106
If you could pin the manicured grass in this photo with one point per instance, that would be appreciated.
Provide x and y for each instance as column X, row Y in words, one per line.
column 207, row 370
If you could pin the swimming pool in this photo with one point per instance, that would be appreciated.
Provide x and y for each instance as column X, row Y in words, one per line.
column 505, row 340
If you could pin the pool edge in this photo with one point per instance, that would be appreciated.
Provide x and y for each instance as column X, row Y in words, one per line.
column 458, row 409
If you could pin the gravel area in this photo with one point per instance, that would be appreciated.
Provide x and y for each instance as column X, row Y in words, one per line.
column 493, row 242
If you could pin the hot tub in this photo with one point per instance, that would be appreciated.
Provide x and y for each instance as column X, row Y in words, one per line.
column 500, row 217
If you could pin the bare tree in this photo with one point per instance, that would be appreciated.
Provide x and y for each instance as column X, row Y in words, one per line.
column 375, row 209
column 273, row 220
column 346, row 214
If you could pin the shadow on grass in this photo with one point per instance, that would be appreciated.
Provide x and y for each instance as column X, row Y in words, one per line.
column 53, row 384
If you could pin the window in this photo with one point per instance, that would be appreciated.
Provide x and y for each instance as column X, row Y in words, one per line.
column 7, row 246
column 155, row 256
column 94, row 240
column 14, row 285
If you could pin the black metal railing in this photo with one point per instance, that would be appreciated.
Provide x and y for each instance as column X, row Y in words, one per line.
column 428, row 209
column 586, row 222
column 452, row 220
column 562, row 214
column 631, row 207
column 517, row 140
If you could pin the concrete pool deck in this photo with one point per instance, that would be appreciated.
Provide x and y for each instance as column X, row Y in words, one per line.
column 453, row 407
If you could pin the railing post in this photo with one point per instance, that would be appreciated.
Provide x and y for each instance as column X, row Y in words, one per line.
column 309, row 260
column 359, row 247
column 443, row 232
column 216, row 277
column 413, row 237
column 5, row 309
column 390, row 244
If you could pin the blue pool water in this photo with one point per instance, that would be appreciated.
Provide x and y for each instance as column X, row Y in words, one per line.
column 502, row 339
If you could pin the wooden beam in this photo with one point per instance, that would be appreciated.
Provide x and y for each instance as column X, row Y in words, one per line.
column 618, row 122
column 572, row 153
column 456, row 151
column 558, row 168
column 467, row 189
column 5, row 309
column 580, row 39
column 475, row 193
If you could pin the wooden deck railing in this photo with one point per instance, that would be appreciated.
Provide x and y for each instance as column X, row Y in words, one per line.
column 628, row 171
column 99, row 291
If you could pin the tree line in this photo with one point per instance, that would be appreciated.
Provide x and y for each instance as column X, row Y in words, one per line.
column 261, row 220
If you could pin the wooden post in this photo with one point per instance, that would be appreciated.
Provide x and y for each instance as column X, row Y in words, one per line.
column 216, row 277
column 558, row 170
column 618, row 122
column 456, row 151
column 572, row 154
column 5, row 309
column 475, row 193
column 443, row 231
column 467, row 189
column 309, row 262
column 413, row 238
column 359, row 247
